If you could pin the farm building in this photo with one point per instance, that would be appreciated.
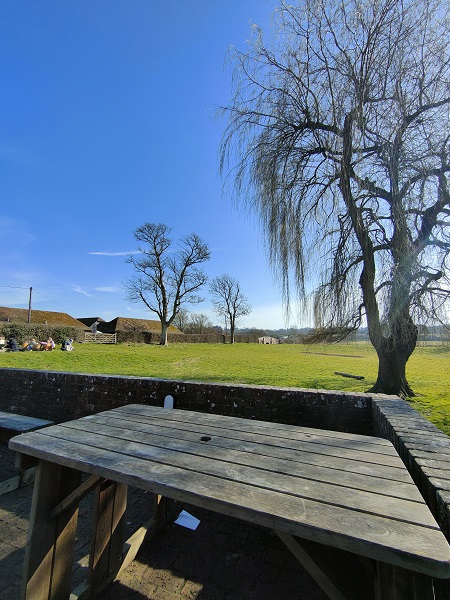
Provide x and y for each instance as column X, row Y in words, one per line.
column 266, row 339
column 89, row 321
column 139, row 325
column 41, row 317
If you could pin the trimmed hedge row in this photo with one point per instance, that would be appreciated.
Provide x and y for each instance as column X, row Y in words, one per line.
column 154, row 337
column 24, row 331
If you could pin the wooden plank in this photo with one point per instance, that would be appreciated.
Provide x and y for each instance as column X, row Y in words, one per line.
column 241, row 423
column 266, row 428
column 21, row 423
column 38, row 565
column 99, row 554
column 48, row 555
column 308, row 455
column 441, row 589
column 311, row 466
column 261, row 430
column 384, row 582
column 76, row 496
column 423, row 587
column 317, row 573
column 81, row 592
column 17, row 481
column 396, row 583
column 12, row 424
column 8, row 485
column 422, row 549
column 280, row 483
column 136, row 542
column 341, row 575
column 118, row 526
column 66, row 527
column 100, row 338
column 306, row 444
column 293, row 483
column 130, row 549
column 106, row 550
column 129, row 552
column 359, row 377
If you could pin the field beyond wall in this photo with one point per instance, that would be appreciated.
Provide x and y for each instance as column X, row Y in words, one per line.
column 284, row 365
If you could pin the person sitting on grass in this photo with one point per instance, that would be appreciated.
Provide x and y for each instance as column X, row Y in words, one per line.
column 67, row 345
column 12, row 345
column 29, row 345
column 48, row 345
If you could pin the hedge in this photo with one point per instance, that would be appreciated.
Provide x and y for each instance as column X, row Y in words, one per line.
column 23, row 332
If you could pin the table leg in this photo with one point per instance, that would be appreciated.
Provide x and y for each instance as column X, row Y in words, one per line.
column 395, row 583
column 340, row 574
column 107, row 544
column 49, row 551
column 164, row 510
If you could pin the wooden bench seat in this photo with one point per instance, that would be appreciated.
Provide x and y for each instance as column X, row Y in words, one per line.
column 12, row 424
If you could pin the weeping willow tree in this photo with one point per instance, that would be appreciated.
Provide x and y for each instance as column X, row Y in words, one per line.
column 337, row 137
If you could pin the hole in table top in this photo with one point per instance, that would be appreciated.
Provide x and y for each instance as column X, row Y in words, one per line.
column 205, row 438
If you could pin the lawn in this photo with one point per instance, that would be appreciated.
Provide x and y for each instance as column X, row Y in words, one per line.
column 303, row 366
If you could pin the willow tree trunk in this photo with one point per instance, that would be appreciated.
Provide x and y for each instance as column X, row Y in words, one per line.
column 393, row 354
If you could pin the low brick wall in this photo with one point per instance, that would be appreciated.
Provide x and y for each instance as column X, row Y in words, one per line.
column 64, row 396
column 424, row 449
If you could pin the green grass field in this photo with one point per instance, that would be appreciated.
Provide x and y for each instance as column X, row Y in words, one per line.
column 278, row 365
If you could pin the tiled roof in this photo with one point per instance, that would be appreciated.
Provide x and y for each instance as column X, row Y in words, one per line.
column 89, row 320
column 126, row 324
column 20, row 315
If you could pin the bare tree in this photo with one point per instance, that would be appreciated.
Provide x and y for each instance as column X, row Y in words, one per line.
column 166, row 278
column 338, row 137
column 229, row 301
column 199, row 323
column 181, row 319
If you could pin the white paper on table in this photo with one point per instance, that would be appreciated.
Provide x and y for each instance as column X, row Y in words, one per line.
column 187, row 520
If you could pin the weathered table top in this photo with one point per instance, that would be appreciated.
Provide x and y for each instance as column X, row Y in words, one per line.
column 343, row 490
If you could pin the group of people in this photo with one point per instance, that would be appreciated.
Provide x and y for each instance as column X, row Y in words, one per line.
column 13, row 346
column 34, row 345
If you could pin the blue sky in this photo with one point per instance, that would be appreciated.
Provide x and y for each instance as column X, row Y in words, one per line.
column 107, row 120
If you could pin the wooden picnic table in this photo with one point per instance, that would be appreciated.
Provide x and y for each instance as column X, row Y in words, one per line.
column 344, row 504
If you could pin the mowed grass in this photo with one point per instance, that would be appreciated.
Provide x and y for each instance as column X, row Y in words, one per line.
column 285, row 365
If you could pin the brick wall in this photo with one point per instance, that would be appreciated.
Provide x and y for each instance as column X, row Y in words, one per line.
column 64, row 396
column 424, row 449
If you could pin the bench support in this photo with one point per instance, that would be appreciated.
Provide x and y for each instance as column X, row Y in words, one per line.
column 345, row 576
column 395, row 583
column 51, row 541
column 109, row 556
